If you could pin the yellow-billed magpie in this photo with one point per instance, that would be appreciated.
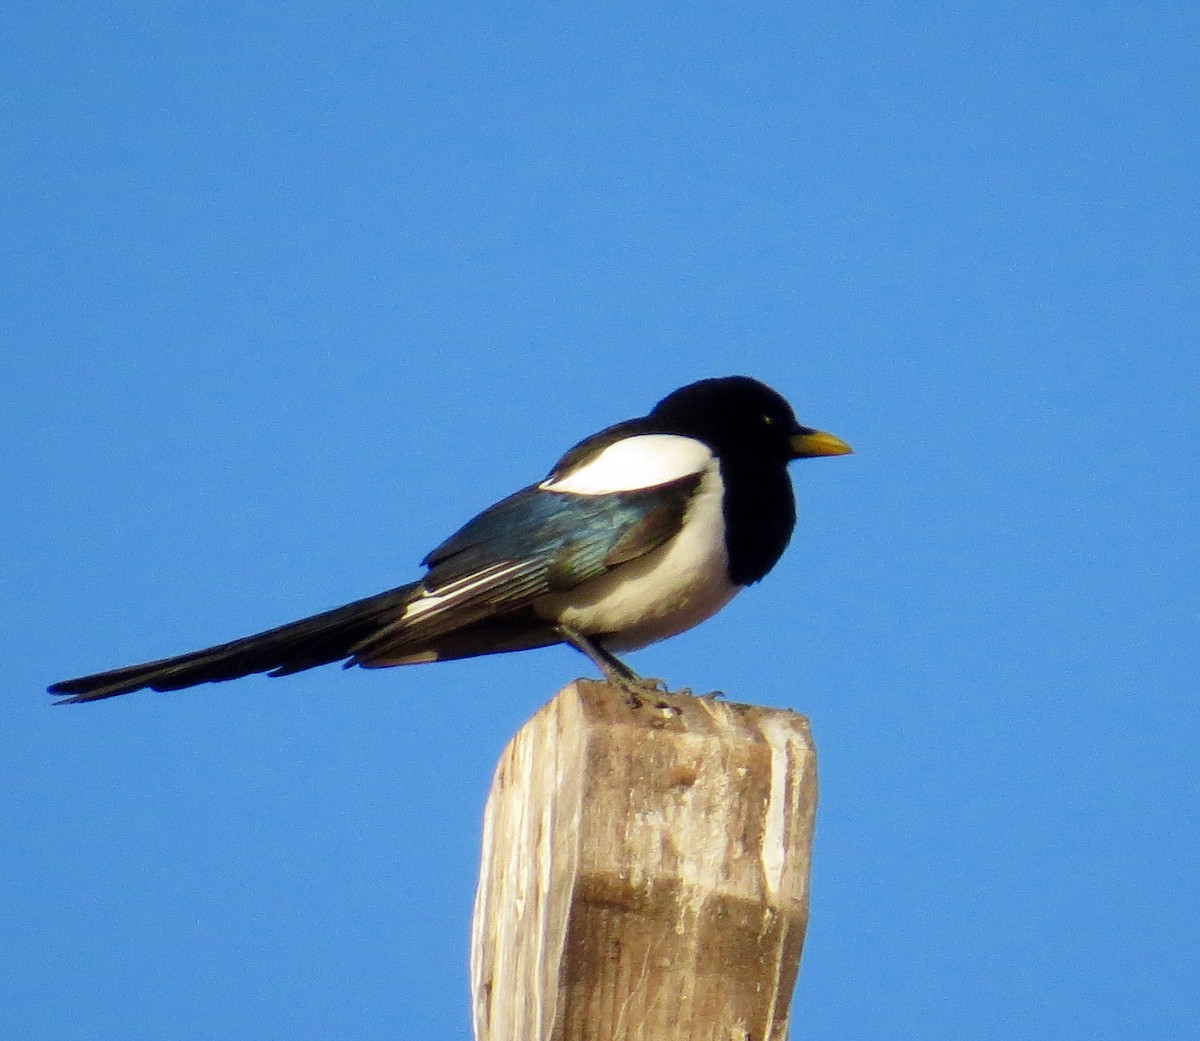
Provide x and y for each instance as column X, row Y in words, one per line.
column 638, row 533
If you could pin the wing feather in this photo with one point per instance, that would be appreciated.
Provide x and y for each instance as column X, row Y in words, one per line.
column 531, row 544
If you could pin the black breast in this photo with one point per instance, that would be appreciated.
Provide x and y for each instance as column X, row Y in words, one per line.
column 760, row 513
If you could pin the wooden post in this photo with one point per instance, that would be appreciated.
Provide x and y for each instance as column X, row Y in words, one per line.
column 645, row 872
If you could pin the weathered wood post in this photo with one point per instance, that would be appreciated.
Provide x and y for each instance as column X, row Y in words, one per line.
column 645, row 872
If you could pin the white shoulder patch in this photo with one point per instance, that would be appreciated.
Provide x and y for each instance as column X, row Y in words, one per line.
column 636, row 462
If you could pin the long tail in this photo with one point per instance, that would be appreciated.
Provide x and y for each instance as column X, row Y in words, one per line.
column 319, row 640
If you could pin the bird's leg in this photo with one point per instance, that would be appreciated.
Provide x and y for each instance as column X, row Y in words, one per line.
column 615, row 671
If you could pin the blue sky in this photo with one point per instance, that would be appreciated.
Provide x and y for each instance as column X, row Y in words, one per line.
column 292, row 291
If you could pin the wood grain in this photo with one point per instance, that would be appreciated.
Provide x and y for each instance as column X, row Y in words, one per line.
column 645, row 872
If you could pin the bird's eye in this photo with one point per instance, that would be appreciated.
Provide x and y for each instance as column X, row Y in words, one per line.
column 768, row 419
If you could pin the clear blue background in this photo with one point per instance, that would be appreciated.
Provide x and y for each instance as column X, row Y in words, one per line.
column 290, row 291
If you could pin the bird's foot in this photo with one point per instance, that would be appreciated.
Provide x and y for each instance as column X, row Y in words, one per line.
column 638, row 690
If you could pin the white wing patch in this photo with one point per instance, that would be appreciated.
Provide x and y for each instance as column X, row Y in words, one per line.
column 635, row 462
column 461, row 589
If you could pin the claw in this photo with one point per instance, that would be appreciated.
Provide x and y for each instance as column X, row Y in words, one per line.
column 638, row 689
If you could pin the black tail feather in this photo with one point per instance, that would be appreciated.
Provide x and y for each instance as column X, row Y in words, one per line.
column 319, row 640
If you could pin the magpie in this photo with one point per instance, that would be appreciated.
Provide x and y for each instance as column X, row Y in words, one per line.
column 638, row 533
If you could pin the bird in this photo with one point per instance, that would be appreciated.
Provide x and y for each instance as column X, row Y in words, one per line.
column 638, row 533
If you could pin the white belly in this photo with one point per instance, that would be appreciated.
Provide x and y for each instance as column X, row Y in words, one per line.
column 674, row 587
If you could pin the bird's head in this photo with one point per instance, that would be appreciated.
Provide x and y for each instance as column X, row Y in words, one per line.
column 739, row 414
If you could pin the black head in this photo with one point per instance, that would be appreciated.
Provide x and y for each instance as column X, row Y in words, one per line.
column 737, row 414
